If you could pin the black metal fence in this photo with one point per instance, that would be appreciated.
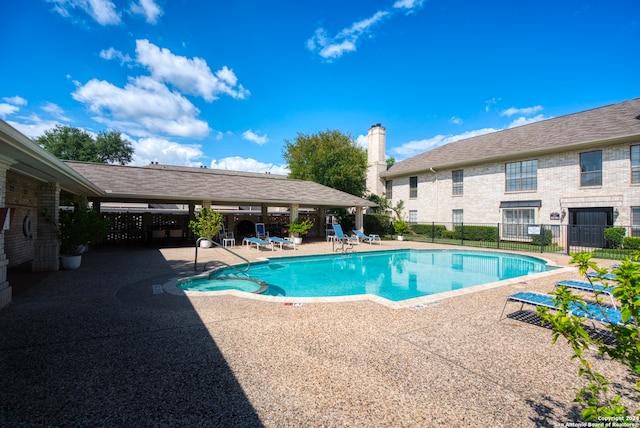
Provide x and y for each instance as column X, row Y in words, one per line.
column 604, row 241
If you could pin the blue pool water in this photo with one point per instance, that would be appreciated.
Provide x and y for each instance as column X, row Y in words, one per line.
column 395, row 275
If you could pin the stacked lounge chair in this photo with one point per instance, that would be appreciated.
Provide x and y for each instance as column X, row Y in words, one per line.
column 360, row 236
column 257, row 242
column 281, row 241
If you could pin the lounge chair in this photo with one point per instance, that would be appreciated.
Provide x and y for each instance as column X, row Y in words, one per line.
column 281, row 241
column 257, row 242
column 261, row 231
column 362, row 237
column 340, row 236
column 609, row 276
column 593, row 312
column 589, row 287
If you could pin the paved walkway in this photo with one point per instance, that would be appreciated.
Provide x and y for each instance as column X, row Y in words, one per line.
column 99, row 347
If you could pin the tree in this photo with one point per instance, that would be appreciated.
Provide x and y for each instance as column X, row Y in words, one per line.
column 69, row 143
column 330, row 158
column 599, row 396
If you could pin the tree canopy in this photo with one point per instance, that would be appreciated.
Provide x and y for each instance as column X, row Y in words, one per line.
column 330, row 158
column 69, row 143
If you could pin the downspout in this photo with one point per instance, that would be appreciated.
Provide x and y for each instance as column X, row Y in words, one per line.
column 436, row 180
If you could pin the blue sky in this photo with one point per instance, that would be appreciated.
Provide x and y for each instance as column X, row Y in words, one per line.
column 224, row 84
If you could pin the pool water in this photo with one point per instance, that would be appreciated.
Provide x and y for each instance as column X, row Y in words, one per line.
column 394, row 275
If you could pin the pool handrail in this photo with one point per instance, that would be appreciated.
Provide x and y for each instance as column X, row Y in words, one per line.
column 195, row 263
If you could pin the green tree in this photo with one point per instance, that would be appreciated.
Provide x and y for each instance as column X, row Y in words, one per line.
column 330, row 158
column 69, row 143
column 601, row 403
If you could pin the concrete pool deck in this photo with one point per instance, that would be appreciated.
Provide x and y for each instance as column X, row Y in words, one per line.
column 107, row 346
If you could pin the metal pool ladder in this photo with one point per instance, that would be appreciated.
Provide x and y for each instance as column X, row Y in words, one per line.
column 195, row 263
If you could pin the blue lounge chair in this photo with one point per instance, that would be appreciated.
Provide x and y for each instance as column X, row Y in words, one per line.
column 261, row 231
column 257, row 242
column 593, row 312
column 340, row 236
column 371, row 238
column 595, row 287
column 609, row 276
column 281, row 241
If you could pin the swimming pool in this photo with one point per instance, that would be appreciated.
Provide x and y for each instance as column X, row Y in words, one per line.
column 394, row 275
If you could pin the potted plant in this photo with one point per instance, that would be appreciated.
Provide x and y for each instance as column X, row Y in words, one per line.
column 401, row 227
column 77, row 228
column 207, row 224
column 298, row 227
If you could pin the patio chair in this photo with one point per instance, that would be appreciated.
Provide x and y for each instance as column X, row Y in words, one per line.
column 340, row 236
column 593, row 312
column 362, row 237
column 609, row 276
column 257, row 242
column 589, row 287
column 282, row 241
column 261, row 231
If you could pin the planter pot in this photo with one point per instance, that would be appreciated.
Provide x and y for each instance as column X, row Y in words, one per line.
column 206, row 244
column 70, row 262
column 297, row 240
column 400, row 238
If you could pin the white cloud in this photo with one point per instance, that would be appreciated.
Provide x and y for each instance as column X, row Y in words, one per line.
column 455, row 120
column 56, row 111
column 191, row 76
column 236, row 163
column 102, row 11
column 414, row 147
column 345, row 41
column 34, row 126
column 16, row 101
column 527, row 111
column 249, row 135
column 362, row 141
column 490, row 103
column 147, row 150
column 143, row 107
column 526, row 120
column 410, row 5
column 7, row 109
column 112, row 53
column 147, row 8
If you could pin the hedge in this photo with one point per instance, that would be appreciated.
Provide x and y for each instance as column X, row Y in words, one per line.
column 430, row 230
column 631, row 243
column 477, row 233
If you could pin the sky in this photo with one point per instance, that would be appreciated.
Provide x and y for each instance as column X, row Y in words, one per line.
column 225, row 84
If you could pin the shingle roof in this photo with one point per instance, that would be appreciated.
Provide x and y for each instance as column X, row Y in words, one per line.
column 162, row 183
column 612, row 123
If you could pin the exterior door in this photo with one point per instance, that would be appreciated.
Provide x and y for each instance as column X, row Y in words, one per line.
column 586, row 226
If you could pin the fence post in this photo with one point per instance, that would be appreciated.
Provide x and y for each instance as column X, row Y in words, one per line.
column 498, row 237
column 433, row 232
column 461, row 233
column 542, row 238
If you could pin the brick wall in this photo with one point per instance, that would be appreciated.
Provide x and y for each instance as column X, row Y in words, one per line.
column 21, row 196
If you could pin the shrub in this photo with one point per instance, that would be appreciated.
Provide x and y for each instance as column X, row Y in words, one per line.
column 431, row 230
column 615, row 236
column 477, row 233
column 631, row 243
column 378, row 224
column 547, row 238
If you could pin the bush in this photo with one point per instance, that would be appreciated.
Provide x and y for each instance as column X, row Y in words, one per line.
column 477, row 233
column 378, row 224
column 615, row 236
column 631, row 243
column 546, row 240
column 431, row 230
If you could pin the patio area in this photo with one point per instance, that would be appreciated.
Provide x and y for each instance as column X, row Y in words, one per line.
column 105, row 346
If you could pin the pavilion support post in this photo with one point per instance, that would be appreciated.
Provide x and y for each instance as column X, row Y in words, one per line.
column 360, row 218
column 5, row 288
column 46, row 254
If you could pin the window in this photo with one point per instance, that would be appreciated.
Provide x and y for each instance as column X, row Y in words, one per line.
column 413, row 216
column 457, row 217
column 635, row 221
column 388, row 188
column 457, row 177
column 515, row 222
column 413, row 187
column 591, row 168
column 635, row 164
column 521, row 176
